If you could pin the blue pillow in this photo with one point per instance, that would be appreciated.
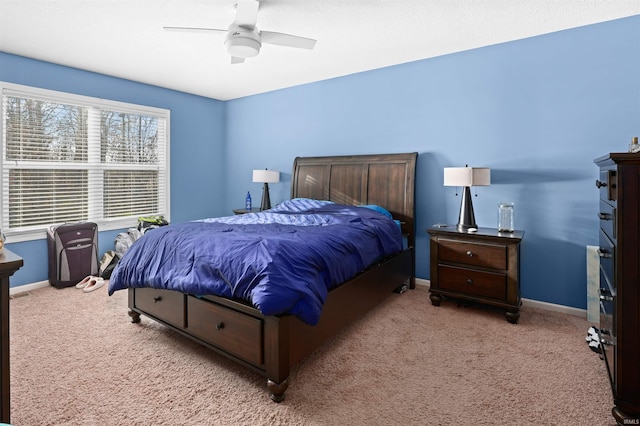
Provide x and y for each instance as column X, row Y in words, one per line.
column 379, row 209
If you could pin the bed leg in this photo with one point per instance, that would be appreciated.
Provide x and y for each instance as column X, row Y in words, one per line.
column 135, row 317
column 277, row 390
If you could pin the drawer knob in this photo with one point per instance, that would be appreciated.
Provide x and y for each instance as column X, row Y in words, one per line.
column 604, row 216
column 606, row 298
column 469, row 281
column 600, row 184
column 604, row 253
column 606, row 342
column 219, row 326
column 605, row 295
column 157, row 299
column 469, row 253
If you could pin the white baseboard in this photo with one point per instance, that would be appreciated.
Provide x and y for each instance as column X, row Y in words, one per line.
column 422, row 281
column 533, row 303
column 27, row 288
column 554, row 307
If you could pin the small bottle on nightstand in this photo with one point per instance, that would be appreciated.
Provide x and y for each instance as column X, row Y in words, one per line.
column 247, row 202
column 634, row 146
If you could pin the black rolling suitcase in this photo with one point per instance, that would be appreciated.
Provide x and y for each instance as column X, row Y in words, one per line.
column 73, row 253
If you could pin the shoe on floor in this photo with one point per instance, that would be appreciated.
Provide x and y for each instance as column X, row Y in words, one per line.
column 595, row 346
column 94, row 284
column 592, row 334
column 85, row 281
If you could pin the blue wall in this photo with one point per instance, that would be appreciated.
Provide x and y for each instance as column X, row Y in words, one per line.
column 197, row 144
column 536, row 111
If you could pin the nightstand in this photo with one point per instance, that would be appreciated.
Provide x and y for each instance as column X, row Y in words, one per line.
column 243, row 210
column 481, row 266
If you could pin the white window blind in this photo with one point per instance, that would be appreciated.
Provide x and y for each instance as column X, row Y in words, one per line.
column 68, row 158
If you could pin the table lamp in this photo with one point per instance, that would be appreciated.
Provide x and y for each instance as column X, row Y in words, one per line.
column 467, row 177
column 267, row 177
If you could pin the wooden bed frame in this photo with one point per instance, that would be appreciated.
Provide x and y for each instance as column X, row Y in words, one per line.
column 272, row 345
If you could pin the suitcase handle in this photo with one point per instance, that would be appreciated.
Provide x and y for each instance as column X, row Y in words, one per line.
column 80, row 241
column 80, row 246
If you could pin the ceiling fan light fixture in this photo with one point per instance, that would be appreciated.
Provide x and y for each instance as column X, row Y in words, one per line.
column 242, row 47
column 242, row 42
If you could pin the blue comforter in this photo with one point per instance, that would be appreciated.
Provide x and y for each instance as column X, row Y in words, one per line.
column 282, row 260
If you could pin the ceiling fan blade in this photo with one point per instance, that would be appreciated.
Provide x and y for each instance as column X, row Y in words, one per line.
column 247, row 13
column 195, row 29
column 236, row 60
column 288, row 40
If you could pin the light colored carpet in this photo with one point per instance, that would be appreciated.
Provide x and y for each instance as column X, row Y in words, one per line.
column 76, row 359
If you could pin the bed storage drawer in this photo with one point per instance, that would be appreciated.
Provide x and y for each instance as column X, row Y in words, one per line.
column 165, row 305
column 231, row 331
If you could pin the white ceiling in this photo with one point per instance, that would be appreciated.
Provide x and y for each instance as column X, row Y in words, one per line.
column 125, row 38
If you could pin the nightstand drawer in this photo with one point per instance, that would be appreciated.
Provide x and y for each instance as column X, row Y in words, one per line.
column 476, row 254
column 469, row 281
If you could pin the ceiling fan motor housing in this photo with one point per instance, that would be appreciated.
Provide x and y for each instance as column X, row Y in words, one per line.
column 242, row 42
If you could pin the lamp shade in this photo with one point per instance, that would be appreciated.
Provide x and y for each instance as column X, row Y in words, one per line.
column 266, row 176
column 467, row 176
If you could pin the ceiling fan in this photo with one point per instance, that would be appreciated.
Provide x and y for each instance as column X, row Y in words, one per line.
column 244, row 40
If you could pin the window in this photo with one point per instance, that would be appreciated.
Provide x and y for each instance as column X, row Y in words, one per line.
column 68, row 158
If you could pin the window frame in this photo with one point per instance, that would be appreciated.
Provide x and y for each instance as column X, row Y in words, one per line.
column 164, row 199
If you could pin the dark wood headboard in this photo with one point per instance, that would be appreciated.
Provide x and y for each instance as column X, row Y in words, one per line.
column 387, row 180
